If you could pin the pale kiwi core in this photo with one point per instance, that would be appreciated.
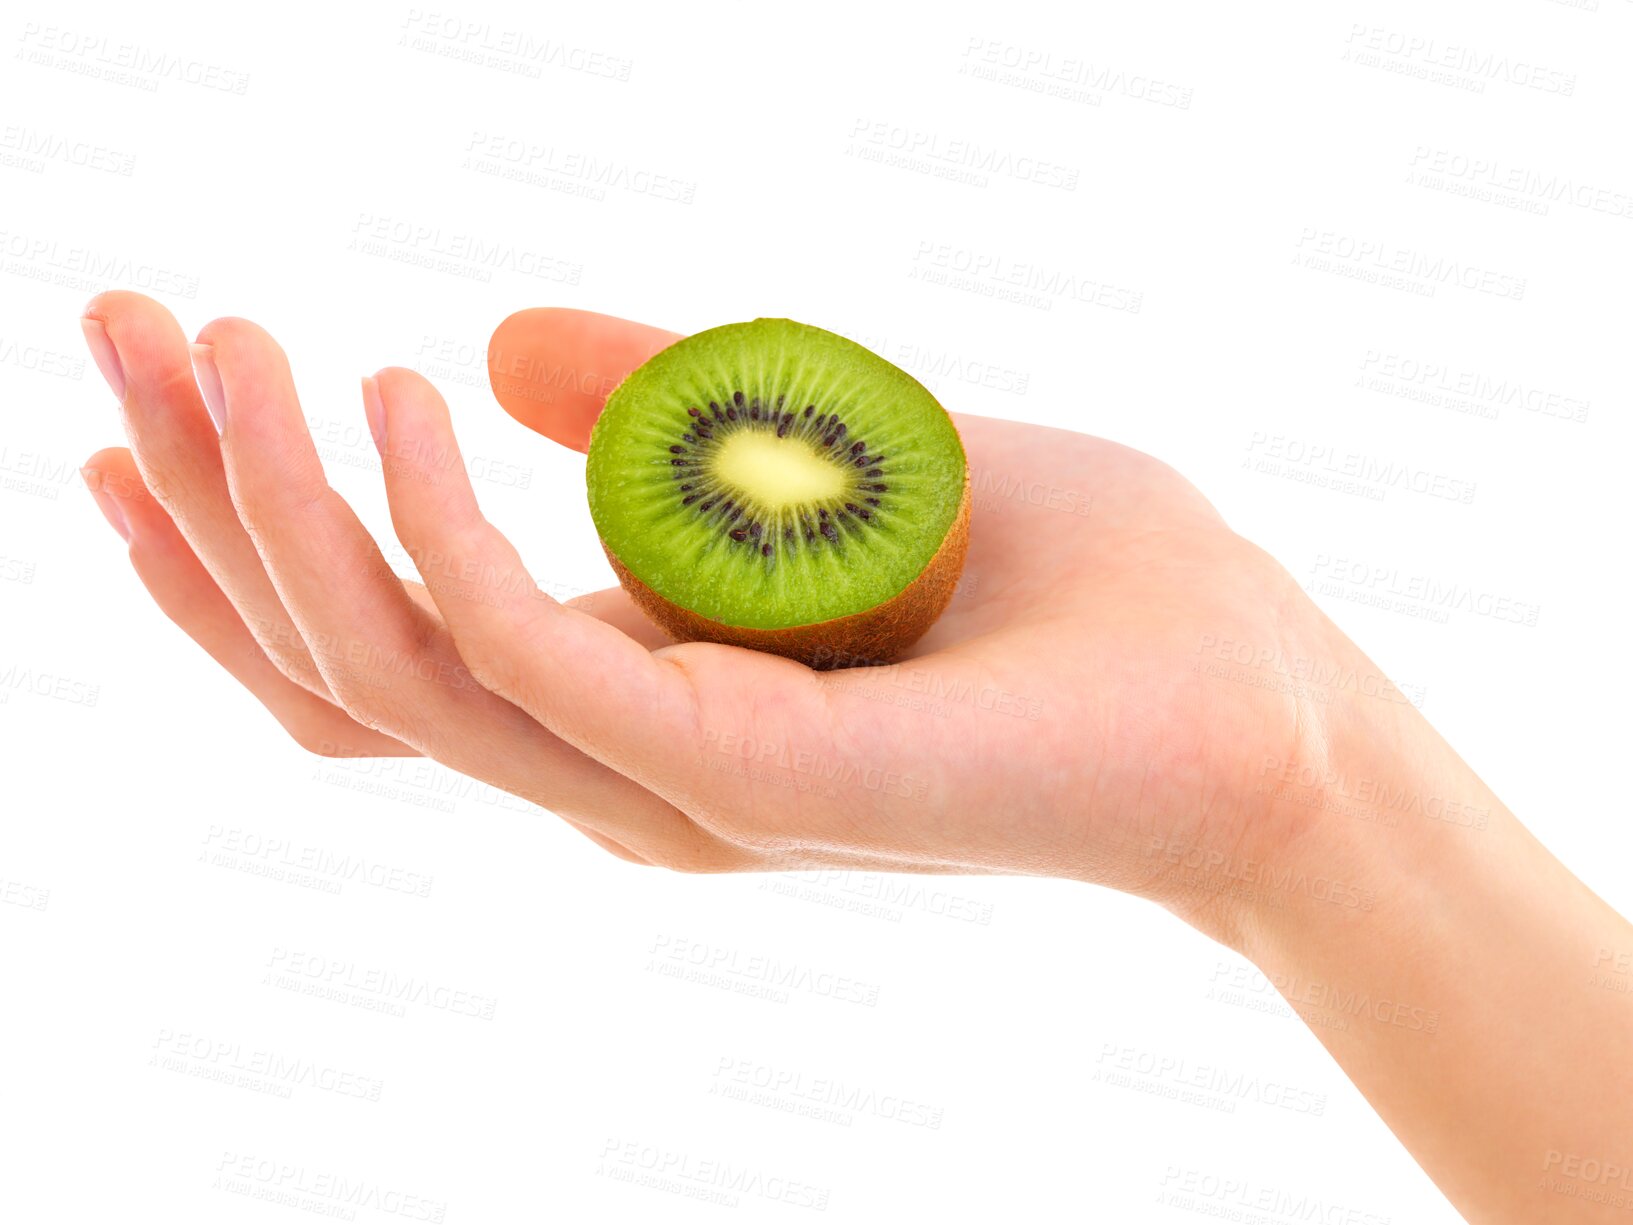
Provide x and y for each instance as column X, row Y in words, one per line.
column 776, row 472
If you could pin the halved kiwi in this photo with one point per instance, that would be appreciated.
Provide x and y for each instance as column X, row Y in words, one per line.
column 777, row 486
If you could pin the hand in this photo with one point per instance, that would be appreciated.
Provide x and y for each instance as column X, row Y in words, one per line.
column 1064, row 717
column 1134, row 696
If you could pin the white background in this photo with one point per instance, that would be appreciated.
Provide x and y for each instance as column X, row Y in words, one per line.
column 885, row 175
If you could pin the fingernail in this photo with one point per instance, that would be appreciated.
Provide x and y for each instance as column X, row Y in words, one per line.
column 105, row 355
column 109, row 505
column 374, row 409
column 209, row 384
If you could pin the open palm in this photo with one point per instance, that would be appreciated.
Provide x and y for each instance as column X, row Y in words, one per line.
column 1080, row 710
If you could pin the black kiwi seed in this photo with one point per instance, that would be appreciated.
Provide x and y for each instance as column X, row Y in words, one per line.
column 858, row 447
column 871, row 501
column 677, row 450
column 738, row 534
column 830, row 532
column 737, row 398
column 765, row 550
column 692, row 412
column 853, row 508
column 690, row 498
column 809, row 409
column 754, row 529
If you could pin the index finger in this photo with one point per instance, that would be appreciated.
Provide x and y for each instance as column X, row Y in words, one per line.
column 552, row 368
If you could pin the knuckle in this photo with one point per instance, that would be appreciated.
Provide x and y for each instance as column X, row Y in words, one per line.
column 319, row 743
column 363, row 702
column 494, row 673
column 710, row 853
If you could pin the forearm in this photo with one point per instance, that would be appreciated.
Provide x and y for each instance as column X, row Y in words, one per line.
column 1479, row 996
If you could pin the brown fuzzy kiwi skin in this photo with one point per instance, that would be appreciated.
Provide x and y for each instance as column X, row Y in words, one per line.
column 875, row 636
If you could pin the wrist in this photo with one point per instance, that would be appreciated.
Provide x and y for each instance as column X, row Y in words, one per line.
column 1369, row 804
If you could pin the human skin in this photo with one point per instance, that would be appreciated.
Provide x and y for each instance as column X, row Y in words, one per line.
column 1134, row 697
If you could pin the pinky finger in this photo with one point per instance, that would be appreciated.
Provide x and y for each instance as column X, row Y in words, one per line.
column 186, row 593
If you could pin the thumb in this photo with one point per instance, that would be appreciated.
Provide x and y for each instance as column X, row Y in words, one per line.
column 552, row 368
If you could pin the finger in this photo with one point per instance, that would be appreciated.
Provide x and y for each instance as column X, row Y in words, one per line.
column 380, row 653
column 185, row 592
column 389, row 663
column 552, row 368
column 143, row 353
column 613, row 605
column 640, row 712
